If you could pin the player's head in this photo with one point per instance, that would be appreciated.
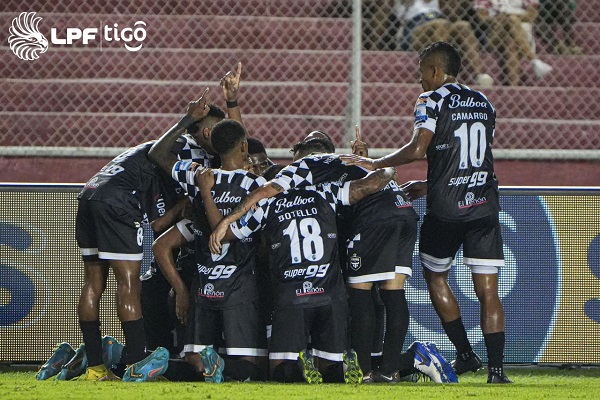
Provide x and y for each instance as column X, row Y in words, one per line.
column 201, row 130
column 272, row 171
column 439, row 63
column 310, row 146
column 324, row 136
column 228, row 139
column 258, row 155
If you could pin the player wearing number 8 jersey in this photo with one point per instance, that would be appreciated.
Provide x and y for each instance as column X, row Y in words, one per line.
column 454, row 127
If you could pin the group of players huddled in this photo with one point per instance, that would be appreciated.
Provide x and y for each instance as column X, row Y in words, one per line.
column 271, row 272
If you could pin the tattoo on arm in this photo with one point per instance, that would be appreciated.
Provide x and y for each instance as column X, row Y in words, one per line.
column 368, row 185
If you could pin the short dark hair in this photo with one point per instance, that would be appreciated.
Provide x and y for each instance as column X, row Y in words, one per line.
column 214, row 111
column 273, row 170
column 448, row 54
column 316, row 145
column 227, row 134
column 328, row 139
column 255, row 146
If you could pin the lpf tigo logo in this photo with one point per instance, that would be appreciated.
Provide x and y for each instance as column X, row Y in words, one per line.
column 27, row 42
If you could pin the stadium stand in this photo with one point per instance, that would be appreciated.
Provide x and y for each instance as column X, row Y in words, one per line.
column 296, row 58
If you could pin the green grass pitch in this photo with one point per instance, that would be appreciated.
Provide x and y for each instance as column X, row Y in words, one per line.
column 530, row 383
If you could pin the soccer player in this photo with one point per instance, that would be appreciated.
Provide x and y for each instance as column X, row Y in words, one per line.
column 385, row 260
column 109, row 234
column 300, row 229
column 258, row 156
column 226, row 295
column 454, row 127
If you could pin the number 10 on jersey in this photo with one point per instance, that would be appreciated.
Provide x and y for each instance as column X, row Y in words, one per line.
column 472, row 144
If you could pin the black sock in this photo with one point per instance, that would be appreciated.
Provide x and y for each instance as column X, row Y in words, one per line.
column 362, row 325
column 494, row 342
column 334, row 373
column 407, row 363
column 287, row 372
column 181, row 371
column 458, row 336
column 379, row 332
column 135, row 340
column 92, row 338
column 397, row 319
column 242, row 370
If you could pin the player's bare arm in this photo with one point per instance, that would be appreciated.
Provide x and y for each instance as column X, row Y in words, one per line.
column 231, row 86
column 267, row 190
column 373, row 182
column 413, row 151
column 160, row 153
column 163, row 222
column 163, row 248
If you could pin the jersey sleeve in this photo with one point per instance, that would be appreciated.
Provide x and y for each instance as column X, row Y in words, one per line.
column 184, row 172
column 185, row 227
column 295, row 175
column 251, row 222
column 343, row 193
column 332, row 193
column 426, row 112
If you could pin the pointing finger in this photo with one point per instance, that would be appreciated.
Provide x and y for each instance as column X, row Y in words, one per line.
column 204, row 94
column 357, row 132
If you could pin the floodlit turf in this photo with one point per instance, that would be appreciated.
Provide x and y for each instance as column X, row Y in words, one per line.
column 530, row 383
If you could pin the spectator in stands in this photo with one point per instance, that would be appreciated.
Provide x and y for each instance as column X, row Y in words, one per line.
column 422, row 23
column 464, row 10
column 510, row 35
column 556, row 18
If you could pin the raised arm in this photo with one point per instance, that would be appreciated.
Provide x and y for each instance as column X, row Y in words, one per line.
column 160, row 153
column 231, row 86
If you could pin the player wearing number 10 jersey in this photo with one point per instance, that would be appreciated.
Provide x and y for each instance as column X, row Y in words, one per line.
column 454, row 127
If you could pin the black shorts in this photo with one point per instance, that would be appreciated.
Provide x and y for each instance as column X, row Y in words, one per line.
column 379, row 252
column 109, row 233
column 240, row 330
column 481, row 240
column 325, row 326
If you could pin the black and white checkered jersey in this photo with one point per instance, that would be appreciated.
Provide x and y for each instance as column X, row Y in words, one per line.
column 462, row 184
column 320, row 168
column 227, row 279
column 187, row 149
column 299, row 229
column 130, row 180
